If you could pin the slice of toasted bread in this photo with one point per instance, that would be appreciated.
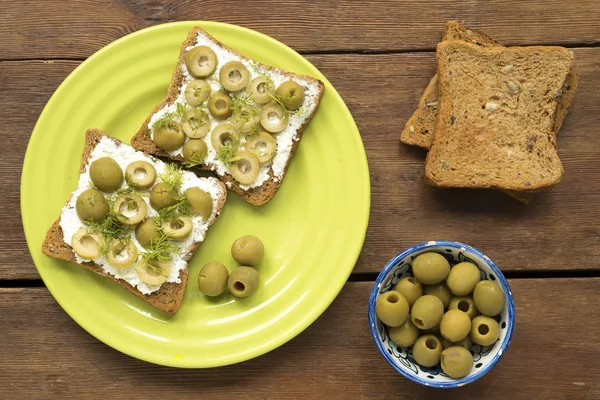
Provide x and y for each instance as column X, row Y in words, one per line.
column 420, row 127
column 254, row 195
column 495, row 119
column 168, row 298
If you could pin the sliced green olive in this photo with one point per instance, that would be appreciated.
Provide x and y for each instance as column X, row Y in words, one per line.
column 153, row 272
column 161, row 196
column 224, row 134
column 234, row 76
column 122, row 254
column 246, row 119
column 202, row 202
column 263, row 145
column 261, row 89
column 291, row 95
column 197, row 92
column 140, row 175
column 194, row 151
column 91, row 205
column 178, row 228
column 147, row 232
column 86, row 244
column 106, row 174
column 169, row 138
column 130, row 209
column 273, row 117
column 201, row 62
column 244, row 167
column 219, row 105
column 196, row 124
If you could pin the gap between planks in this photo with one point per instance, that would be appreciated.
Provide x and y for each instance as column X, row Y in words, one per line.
column 334, row 52
column 371, row 276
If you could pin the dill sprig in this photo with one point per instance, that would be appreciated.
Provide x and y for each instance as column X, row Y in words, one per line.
column 160, row 249
column 183, row 208
column 225, row 152
column 166, row 121
column 109, row 229
column 172, row 176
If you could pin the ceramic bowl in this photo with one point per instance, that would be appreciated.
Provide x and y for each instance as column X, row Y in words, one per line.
column 401, row 358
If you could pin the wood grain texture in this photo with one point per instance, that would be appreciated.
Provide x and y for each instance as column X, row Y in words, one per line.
column 557, row 230
column 63, row 29
column 45, row 355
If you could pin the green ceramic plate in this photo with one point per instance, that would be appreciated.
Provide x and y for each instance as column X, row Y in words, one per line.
column 313, row 229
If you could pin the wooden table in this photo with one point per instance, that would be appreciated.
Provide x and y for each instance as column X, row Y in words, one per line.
column 380, row 56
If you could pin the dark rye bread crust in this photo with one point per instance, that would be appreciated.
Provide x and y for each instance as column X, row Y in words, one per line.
column 168, row 298
column 495, row 147
column 255, row 196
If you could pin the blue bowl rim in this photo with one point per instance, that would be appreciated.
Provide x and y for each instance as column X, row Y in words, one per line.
column 505, row 288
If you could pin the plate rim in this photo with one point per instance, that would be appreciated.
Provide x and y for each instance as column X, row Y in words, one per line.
column 286, row 334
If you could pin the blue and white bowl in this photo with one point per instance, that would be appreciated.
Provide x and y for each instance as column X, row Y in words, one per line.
column 401, row 358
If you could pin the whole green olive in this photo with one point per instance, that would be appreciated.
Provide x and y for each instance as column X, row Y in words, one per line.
column 291, row 95
column 392, row 308
column 462, row 278
column 194, row 151
column 243, row 281
column 248, row 250
column 488, row 298
column 161, row 196
column 430, row 268
column 404, row 335
column 427, row 350
column 455, row 325
column 427, row 312
column 200, row 201
column 410, row 288
column 456, row 362
column 170, row 137
column 91, row 205
column 212, row 279
column 465, row 304
column 484, row 330
column 106, row 174
column 147, row 231
column 440, row 291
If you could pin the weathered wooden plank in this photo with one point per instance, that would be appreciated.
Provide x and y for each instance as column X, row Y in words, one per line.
column 558, row 230
column 77, row 28
column 45, row 355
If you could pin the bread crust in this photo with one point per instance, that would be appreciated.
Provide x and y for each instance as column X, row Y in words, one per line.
column 256, row 196
column 170, row 295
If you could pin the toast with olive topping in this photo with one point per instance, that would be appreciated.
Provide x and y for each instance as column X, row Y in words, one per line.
column 224, row 112
column 115, row 234
column 420, row 127
column 495, row 118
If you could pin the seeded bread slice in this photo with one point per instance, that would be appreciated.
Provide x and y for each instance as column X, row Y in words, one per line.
column 258, row 195
column 168, row 298
column 496, row 112
column 420, row 127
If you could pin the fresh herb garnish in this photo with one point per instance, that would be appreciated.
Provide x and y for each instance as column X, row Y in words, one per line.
column 182, row 208
column 301, row 111
column 160, row 249
column 225, row 152
column 172, row 176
